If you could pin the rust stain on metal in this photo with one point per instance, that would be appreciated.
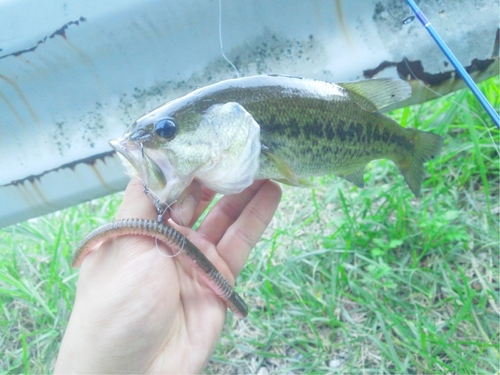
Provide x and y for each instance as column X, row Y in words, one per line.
column 99, row 177
column 86, row 60
column 40, row 195
column 21, row 95
column 27, row 196
column 60, row 32
column 409, row 70
column 91, row 160
column 13, row 110
column 26, row 193
column 340, row 16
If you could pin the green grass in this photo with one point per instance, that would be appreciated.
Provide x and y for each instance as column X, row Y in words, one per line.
column 345, row 280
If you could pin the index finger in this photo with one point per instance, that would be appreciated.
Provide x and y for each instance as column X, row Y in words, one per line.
column 135, row 203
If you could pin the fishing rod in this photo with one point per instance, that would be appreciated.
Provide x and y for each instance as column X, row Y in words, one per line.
column 459, row 67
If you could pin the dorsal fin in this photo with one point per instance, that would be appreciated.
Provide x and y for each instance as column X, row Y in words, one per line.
column 378, row 93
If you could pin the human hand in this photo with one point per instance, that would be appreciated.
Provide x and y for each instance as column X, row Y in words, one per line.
column 139, row 312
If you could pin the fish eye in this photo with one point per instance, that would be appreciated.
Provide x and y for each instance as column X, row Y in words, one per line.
column 165, row 128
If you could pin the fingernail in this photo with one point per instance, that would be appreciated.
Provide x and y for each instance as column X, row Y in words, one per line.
column 186, row 209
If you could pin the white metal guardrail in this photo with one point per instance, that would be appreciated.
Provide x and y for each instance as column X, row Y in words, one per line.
column 74, row 74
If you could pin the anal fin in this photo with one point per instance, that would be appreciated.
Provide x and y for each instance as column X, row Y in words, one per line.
column 356, row 177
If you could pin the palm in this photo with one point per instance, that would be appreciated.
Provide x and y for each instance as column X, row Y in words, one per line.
column 153, row 311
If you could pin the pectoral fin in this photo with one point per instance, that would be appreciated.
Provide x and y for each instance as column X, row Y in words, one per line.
column 301, row 182
column 283, row 167
column 289, row 176
column 374, row 94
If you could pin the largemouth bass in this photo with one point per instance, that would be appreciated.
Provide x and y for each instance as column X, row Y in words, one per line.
column 228, row 134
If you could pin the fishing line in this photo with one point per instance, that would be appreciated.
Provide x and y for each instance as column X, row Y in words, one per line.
column 458, row 66
column 183, row 239
column 161, row 212
column 161, row 207
column 220, row 40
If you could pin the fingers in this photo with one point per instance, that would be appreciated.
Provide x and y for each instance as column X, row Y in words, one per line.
column 242, row 219
column 188, row 208
column 225, row 213
column 135, row 203
column 242, row 236
column 234, row 225
column 191, row 204
column 207, row 196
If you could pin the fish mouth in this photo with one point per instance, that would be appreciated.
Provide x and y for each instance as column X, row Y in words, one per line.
column 138, row 162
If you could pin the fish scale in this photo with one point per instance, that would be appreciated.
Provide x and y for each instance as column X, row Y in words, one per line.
column 314, row 142
column 306, row 128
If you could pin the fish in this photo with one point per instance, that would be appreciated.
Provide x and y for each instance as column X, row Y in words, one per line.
column 289, row 129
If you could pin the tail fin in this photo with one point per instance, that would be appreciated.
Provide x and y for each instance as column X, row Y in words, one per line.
column 426, row 146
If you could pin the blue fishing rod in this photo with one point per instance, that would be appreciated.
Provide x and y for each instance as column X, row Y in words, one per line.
column 459, row 67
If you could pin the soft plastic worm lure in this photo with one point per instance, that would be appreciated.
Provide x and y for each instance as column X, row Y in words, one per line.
column 175, row 241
